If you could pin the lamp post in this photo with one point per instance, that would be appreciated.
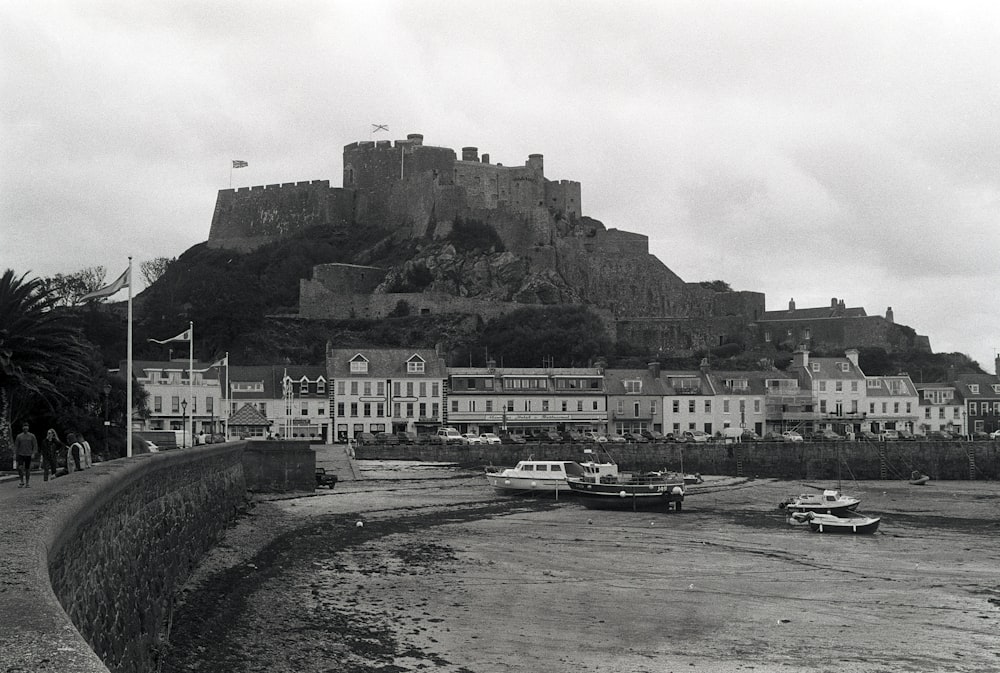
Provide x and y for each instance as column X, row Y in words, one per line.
column 107, row 423
column 184, row 420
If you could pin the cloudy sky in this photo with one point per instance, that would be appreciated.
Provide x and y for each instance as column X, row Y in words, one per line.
column 803, row 149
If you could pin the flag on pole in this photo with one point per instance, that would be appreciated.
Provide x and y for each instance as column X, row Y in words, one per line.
column 239, row 163
column 183, row 336
column 224, row 362
column 121, row 283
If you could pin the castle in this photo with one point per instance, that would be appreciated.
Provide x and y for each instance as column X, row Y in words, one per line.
column 553, row 253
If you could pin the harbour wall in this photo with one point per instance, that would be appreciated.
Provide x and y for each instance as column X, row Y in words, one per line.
column 91, row 561
column 799, row 461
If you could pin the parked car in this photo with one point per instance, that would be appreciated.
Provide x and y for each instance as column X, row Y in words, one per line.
column 695, row 436
column 386, row 439
column 826, row 436
column 450, row 436
column 939, row 435
column 890, row 435
column 793, row 436
column 906, row 435
column 406, row 437
column 469, row 439
column 652, row 435
column 511, row 438
column 634, row 437
column 572, row 436
column 980, row 436
column 592, row 436
column 365, row 438
column 616, row 438
column 995, row 434
column 551, row 436
column 867, row 436
column 774, row 437
column 489, row 438
column 750, row 436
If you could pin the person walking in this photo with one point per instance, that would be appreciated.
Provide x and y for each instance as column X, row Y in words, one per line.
column 85, row 456
column 51, row 446
column 25, row 448
column 73, row 452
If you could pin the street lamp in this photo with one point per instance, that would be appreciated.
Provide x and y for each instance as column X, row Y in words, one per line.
column 184, row 420
column 107, row 423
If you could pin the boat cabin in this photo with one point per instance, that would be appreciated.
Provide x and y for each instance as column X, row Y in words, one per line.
column 550, row 468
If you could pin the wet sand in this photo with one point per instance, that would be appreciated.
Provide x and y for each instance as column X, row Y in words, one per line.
column 445, row 575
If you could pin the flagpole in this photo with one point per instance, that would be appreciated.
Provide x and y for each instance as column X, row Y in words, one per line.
column 191, row 376
column 225, row 427
column 128, row 385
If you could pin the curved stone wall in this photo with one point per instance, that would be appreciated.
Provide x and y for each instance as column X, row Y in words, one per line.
column 90, row 562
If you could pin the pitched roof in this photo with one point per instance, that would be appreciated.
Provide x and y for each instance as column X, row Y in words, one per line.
column 614, row 382
column 385, row 362
column 271, row 377
column 890, row 386
column 248, row 416
column 820, row 313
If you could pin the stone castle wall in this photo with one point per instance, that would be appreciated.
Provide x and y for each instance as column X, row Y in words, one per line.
column 831, row 334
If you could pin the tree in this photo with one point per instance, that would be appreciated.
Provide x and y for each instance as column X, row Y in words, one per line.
column 39, row 346
column 716, row 285
column 67, row 289
column 152, row 269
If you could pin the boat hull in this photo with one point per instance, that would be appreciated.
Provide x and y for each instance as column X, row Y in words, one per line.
column 660, row 497
column 836, row 510
column 846, row 526
column 518, row 485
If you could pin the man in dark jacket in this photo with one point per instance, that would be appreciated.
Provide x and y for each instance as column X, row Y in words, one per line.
column 25, row 448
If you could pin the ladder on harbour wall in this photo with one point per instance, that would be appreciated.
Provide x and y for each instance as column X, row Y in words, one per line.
column 739, row 461
column 883, row 464
column 971, row 452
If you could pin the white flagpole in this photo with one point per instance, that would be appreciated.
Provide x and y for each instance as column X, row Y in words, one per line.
column 225, row 395
column 191, row 376
column 128, row 385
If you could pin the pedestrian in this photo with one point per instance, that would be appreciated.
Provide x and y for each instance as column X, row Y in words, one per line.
column 25, row 448
column 51, row 446
column 73, row 452
column 85, row 456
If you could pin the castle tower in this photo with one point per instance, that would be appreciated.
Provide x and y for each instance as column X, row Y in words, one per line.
column 791, row 304
column 536, row 162
column 470, row 154
column 888, row 315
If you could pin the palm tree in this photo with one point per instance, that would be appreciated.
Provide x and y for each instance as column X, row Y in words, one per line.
column 39, row 346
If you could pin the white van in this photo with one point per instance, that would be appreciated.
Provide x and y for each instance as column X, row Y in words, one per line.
column 732, row 435
column 450, row 436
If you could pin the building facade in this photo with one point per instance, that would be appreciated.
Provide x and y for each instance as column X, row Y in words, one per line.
column 178, row 400
column 294, row 399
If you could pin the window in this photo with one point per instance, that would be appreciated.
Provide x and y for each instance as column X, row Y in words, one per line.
column 854, row 406
column 579, row 405
column 354, row 409
column 854, row 386
column 209, row 405
column 871, row 407
column 415, row 367
column 676, row 406
column 822, row 386
column 303, row 387
column 941, row 412
column 396, row 410
column 367, row 388
column 472, row 405
column 845, row 366
column 489, row 406
column 708, row 406
column 822, row 406
column 756, row 406
column 767, row 337
column 409, row 388
column 434, row 410
column 434, row 390
column 545, row 405
column 470, row 384
column 454, row 406
column 380, row 389
column 972, row 408
column 409, row 409
column 340, row 408
column 690, row 406
column 874, row 384
column 321, row 387
column 510, row 405
column 635, row 410
column 354, row 387
column 652, row 407
column 422, row 409
column 895, row 407
column 634, row 387
column 367, row 409
column 341, row 387
column 157, row 404
column 564, row 405
column 927, row 412
column 359, row 365
column 815, row 366
column 262, row 407
column 423, row 389
column 396, row 389
column 305, row 409
column 175, row 404
column 839, row 386
column 621, row 406
column 725, row 406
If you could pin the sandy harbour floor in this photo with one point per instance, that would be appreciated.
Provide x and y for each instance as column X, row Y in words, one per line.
column 444, row 575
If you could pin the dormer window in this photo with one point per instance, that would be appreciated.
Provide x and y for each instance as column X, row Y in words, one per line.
column 304, row 387
column 634, row 387
column 974, row 388
column 815, row 366
column 845, row 367
column 321, row 387
column 415, row 365
column 359, row 365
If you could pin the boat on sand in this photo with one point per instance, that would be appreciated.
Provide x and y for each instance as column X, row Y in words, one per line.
column 830, row 502
column 649, row 491
column 544, row 476
column 853, row 524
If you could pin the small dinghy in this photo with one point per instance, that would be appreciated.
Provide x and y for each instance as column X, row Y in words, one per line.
column 855, row 524
column 918, row 479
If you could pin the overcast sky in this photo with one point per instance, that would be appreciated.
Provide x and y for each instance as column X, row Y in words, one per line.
column 802, row 149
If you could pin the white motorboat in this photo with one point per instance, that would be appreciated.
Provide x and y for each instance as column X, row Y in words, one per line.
column 850, row 524
column 830, row 502
column 545, row 476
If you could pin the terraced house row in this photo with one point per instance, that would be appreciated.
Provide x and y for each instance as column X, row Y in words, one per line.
column 412, row 390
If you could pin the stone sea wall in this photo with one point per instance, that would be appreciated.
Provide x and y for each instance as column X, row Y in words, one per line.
column 90, row 561
column 801, row 461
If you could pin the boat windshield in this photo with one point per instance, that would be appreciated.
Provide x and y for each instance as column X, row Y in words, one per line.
column 574, row 469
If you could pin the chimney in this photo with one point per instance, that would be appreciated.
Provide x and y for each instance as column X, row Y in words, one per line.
column 833, row 302
column 888, row 315
column 470, row 154
column 704, row 366
column 852, row 355
column 415, row 138
column 486, row 158
column 996, row 366
column 841, row 305
column 654, row 369
column 791, row 304
column 800, row 358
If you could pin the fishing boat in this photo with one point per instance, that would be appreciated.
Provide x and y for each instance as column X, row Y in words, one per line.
column 854, row 524
column 544, row 476
column 918, row 479
column 830, row 502
column 650, row 491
